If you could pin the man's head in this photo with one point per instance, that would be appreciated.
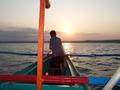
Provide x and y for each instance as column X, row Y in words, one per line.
column 52, row 33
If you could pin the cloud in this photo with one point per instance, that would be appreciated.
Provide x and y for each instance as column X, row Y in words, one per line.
column 30, row 34
column 18, row 34
column 90, row 34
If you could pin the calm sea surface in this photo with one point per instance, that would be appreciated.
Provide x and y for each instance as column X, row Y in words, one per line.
column 99, row 66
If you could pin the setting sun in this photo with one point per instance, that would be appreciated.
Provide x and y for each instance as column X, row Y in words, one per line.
column 67, row 30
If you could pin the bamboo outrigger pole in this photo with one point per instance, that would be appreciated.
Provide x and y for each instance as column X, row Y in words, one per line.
column 43, row 4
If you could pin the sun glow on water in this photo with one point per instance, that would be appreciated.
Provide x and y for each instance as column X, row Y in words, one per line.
column 67, row 47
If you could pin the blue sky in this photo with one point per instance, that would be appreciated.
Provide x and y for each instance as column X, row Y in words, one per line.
column 72, row 19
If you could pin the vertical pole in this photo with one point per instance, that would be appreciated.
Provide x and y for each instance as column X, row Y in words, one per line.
column 40, row 44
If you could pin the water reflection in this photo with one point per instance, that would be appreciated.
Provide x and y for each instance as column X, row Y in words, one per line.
column 67, row 47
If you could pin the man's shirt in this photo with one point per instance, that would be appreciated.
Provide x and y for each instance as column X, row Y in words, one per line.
column 56, row 46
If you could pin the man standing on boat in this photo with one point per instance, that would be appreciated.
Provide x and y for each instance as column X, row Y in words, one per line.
column 56, row 45
column 57, row 49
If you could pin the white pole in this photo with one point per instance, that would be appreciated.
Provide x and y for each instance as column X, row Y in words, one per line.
column 113, row 80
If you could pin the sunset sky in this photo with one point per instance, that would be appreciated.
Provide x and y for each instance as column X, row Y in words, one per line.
column 72, row 19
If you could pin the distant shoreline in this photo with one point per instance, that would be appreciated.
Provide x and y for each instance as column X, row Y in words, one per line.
column 86, row 41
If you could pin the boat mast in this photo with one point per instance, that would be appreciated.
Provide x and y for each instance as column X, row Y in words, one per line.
column 43, row 4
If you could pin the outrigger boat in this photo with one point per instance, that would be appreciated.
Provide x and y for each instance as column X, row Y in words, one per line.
column 69, row 80
column 26, row 79
column 46, row 77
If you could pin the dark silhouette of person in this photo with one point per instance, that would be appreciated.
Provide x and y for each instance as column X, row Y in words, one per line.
column 57, row 52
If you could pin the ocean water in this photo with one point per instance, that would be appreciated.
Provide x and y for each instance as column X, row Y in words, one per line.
column 98, row 66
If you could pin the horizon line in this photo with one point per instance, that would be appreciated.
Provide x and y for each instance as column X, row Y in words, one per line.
column 72, row 41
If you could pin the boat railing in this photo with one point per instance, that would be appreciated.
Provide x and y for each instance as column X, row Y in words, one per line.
column 32, row 67
column 73, row 70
